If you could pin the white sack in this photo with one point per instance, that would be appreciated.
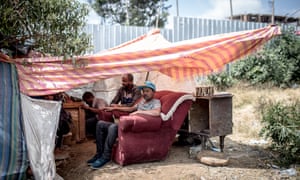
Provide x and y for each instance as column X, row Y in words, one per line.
column 40, row 125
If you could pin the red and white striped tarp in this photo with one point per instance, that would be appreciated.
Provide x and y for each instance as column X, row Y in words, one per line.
column 150, row 52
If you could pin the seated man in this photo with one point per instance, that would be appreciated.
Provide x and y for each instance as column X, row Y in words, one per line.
column 92, row 106
column 127, row 96
column 107, row 132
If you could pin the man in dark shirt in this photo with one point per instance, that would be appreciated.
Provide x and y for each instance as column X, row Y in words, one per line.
column 127, row 96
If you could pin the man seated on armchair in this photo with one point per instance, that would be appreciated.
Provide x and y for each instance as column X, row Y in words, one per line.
column 107, row 132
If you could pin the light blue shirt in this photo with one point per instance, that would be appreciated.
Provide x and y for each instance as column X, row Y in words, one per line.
column 153, row 104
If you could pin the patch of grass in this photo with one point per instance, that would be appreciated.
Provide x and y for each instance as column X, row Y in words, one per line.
column 281, row 124
column 246, row 108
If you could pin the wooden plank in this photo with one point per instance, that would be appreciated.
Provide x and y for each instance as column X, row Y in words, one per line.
column 72, row 105
column 78, row 117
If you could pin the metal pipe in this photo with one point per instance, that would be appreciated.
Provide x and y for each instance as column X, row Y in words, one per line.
column 177, row 8
column 273, row 11
column 231, row 11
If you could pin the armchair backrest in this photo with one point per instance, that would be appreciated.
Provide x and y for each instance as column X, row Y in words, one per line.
column 168, row 99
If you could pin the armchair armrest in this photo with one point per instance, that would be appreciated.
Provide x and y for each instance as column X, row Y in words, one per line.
column 139, row 123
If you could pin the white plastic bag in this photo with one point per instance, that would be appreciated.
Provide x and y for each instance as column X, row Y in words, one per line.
column 40, row 118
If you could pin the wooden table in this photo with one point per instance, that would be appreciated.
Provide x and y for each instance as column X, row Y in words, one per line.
column 211, row 116
column 78, row 117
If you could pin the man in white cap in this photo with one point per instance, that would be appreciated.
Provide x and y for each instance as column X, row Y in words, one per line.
column 107, row 132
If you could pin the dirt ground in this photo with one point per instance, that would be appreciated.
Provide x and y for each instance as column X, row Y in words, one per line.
column 247, row 153
column 245, row 162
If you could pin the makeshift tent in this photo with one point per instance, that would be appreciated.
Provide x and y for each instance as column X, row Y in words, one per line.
column 40, row 76
column 48, row 75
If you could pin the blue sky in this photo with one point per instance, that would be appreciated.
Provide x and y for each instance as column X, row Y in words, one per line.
column 219, row 9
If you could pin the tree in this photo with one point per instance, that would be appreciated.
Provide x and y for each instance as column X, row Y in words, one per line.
column 277, row 64
column 133, row 12
column 48, row 26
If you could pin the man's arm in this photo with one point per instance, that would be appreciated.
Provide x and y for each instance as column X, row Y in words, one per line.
column 117, row 98
column 97, row 106
column 122, row 108
column 100, row 103
column 152, row 112
column 94, row 110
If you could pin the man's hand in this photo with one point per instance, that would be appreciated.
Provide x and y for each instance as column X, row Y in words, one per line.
column 109, row 108
column 84, row 106
column 135, row 113
column 114, row 105
column 152, row 112
column 95, row 110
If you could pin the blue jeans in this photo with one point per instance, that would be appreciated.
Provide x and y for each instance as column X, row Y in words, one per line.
column 106, row 135
column 90, row 125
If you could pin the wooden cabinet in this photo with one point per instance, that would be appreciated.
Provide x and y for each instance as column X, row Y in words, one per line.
column 78, row 117
column 211, row 116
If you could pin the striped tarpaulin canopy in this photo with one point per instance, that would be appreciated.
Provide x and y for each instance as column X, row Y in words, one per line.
column 150, row 52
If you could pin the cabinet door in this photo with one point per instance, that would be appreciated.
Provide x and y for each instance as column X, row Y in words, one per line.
column 220, row 123
column 199, row 116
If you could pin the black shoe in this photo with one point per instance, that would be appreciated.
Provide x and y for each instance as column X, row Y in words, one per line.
column 99, row 163
column 92, row 160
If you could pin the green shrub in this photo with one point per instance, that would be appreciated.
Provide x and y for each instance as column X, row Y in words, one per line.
column 221, row 81
column 277, row 64
column 282, row 125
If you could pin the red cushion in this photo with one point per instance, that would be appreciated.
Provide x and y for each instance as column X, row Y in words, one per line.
column 140, row 123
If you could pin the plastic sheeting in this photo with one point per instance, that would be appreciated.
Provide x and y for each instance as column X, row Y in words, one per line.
column 40, row 123
column 13, row 153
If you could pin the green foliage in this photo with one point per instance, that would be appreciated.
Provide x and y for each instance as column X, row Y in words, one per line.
column 277, row 64
column 132, row 12
column 49, row 26
column 282, row 126
column 221, row 80
column 288, row 46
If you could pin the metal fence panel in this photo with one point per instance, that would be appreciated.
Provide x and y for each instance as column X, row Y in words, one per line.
column 104, row 36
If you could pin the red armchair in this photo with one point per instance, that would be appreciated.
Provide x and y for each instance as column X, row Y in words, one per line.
column 147, row 138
